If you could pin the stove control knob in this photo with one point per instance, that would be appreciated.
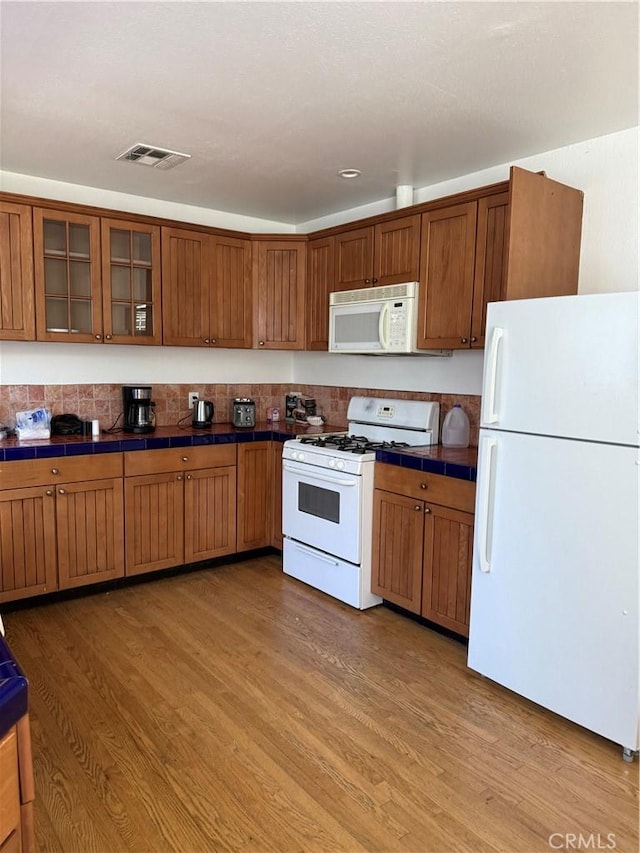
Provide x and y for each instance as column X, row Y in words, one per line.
column 340, row 464
column 300, row 457
column 332, row 463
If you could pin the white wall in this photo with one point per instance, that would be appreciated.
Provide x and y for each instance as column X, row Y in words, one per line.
column 606, row 169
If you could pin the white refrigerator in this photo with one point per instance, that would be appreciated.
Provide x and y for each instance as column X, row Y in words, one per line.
column 554, row 593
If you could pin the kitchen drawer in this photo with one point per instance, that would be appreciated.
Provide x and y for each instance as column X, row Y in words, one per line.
column 433, row 488
column 59, row 469
column 178, row 459
column 9, row 785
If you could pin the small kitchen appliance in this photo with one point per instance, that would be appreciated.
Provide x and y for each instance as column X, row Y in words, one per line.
column 327, row 494
column 202, row 414
column 244, row 412
column 139, row 415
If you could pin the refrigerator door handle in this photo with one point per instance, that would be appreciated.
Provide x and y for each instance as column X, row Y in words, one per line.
column 485, row 507
column 492, row 416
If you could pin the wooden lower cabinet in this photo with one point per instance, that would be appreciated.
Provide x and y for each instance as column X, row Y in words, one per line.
column 180, row 506
column 254, row 495
column 62, row 529
column 16, row 790
column 421, row 547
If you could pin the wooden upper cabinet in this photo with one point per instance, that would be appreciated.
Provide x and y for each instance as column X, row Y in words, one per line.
column 131, row 302
column 230, row 322
column 397, row 251
column 320, row 283
column 278, row 287
column 545, row 225
column 17, row 311
column 354, row 259
column 185, row 287
column 447, row 273
column 66, row 248
column 387, row 253
column 491, row 259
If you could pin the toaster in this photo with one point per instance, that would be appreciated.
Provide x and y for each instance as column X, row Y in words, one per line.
column 244, row 412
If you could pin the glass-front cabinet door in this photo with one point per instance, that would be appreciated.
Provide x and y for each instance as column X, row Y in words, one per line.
column 131, row 282
column 67, row 274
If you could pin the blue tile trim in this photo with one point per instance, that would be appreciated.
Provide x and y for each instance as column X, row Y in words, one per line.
column 205, row 438
column 78, row 449
column 158, row 443
column 460, row 472
column 108, row 447
column 241, row 437
column 133, row 444
column 48, row 452
column 413, row 462
column 180, row 441
column 262, row 435
column 2, row 459
column 227, row 438
column 13, row 453
column 433, row 466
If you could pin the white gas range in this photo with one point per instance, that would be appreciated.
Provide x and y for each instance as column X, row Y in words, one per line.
column 327, row 494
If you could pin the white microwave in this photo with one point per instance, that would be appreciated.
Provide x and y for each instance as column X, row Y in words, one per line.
column 376, row 321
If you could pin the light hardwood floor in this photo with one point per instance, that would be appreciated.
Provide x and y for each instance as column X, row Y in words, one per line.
column 237, row 709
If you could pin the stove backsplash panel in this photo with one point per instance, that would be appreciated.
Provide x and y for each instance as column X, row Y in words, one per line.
column 104, row 401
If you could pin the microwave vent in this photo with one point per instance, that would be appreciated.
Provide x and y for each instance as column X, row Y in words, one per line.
column 151, row 155
column 390, row 291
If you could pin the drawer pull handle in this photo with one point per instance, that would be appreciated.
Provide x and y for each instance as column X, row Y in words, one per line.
column 55, row 470
column 423, row 485
column 185, row 458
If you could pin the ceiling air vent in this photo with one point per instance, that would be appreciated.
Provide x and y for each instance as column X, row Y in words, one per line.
column 150, row 155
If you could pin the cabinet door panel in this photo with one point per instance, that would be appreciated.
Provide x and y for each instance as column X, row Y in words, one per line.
column 66, row 249
column 231, row 318
column 397, row 549
column 446, row 590
column 491, row 256
column 17, row 311
column 447, row 267
column 397, row 250
column 320, row 283
column 276, row 494
column 354, row 259
column 279, row 274
column 254, row 495
column 90, row 525
column 209, row 513
column 154, row 506
column 27, row 542
column 185, row 288
column 131, row 309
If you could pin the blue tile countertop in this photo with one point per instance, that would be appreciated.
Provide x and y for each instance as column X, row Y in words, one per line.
column 14, row 689
column 459, row 463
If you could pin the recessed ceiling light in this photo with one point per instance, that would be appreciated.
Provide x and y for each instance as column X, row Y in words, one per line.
column 349, row 173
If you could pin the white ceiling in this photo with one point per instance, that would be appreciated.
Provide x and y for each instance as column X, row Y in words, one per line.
column 271, row 99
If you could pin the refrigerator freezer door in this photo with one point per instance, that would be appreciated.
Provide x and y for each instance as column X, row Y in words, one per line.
column 554, row 594
column 566, row 366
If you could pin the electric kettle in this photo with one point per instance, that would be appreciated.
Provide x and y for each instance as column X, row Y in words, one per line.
column 202, row 414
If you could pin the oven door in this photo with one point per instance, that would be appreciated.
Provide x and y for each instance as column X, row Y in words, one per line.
column 321, row 508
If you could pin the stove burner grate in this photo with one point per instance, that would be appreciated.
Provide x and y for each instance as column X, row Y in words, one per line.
column 351, row 443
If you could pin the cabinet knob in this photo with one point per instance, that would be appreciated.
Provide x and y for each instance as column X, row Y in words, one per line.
column 179, row 477
column 260, row 343
column 423, row 485
column 473, row 339
column 213, row 341
column 55, row 470
column 464, row 341
column 374, row 281
column 61, row 492
column 189, row 477
column 367, row 281
column 417, row 508
column 426, row 509
column 108, row 337
column 206, row 341
column 185, row 458
column 49, row 492
column 98, row 337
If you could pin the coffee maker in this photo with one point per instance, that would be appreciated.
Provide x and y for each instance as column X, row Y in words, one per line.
column 138, row 408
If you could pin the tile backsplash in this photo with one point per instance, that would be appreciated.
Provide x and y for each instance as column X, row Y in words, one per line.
column 105, row 401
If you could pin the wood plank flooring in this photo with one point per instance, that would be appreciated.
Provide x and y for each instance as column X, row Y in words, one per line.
column 236, row 709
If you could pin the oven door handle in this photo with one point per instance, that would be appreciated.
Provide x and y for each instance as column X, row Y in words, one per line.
column 305, row 473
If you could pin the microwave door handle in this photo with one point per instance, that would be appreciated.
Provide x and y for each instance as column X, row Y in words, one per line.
column 382, row 326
